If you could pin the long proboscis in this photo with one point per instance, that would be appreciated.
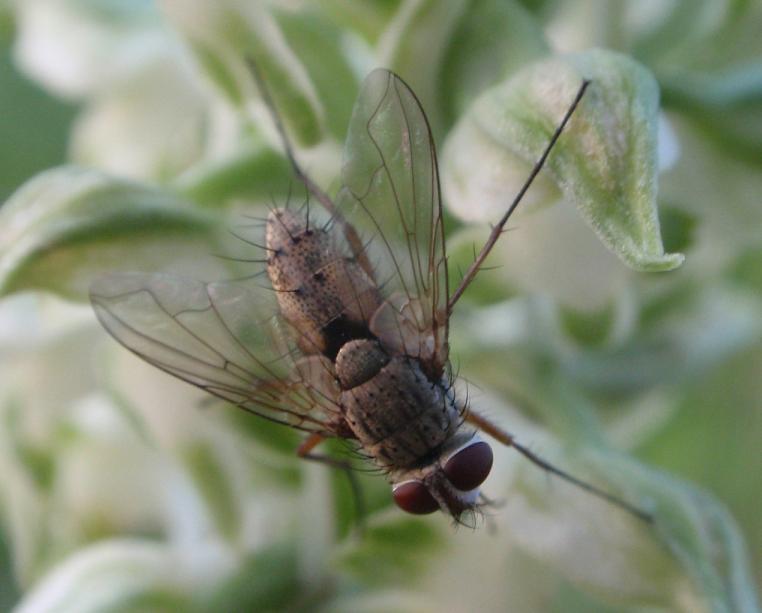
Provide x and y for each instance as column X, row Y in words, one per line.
column 497, row 230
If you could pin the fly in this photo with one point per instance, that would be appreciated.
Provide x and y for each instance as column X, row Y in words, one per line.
column 353, row 341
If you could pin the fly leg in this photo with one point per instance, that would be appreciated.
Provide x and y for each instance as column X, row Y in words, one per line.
column 504, row 437
column 351, row 234
column 304, row 451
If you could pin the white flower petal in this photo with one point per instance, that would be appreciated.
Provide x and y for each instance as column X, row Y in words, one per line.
column 112, row 572
column 153, row 126
column 74, row 50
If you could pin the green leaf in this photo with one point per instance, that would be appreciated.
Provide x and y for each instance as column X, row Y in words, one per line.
column 604, row 163
column 414, row 45
column 256, row 173
column 268, row 580
column 365, row 18
column 214, row 485
column 491, row 41
column 702, row 535
column 697, row 32
column 66, row 225
column 319, row 45
column 225, row 35
column 394, row 550
column 692, row 536
column 117, row 575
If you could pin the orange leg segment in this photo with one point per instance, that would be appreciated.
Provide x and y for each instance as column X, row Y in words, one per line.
column 486, row 426
column 307, row 445
column 305, row 451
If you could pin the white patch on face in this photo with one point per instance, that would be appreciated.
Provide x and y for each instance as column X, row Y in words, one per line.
column 468, row 497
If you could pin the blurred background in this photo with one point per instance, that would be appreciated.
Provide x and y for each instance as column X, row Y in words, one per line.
column 132, row 137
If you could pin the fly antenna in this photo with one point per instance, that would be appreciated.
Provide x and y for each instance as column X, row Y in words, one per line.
column 497, row 230
column 486, row 425
column 590, row 489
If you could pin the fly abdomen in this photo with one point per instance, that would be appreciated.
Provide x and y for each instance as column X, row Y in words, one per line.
column 322, row 292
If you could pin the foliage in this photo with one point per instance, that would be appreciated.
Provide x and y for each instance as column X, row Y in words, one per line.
column 619, row 335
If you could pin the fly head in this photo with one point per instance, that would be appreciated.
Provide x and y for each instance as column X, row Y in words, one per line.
column 450, row 482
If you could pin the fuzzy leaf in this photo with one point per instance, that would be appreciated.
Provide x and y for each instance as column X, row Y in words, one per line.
column 414, row 45
column 500, row 37
column 116, row 575
column 693, row 553
column 267, row 580
column 254, row 173
column 214, row 486
column 225, row 35
column 449, row 53
column 68, row 224
column 319, row 45
column 394, row 549
column 604, row 163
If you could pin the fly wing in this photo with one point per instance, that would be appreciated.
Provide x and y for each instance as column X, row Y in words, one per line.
column 223, row 338
column 391, row 193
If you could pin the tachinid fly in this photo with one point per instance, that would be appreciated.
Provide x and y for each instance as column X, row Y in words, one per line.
column 353, row 341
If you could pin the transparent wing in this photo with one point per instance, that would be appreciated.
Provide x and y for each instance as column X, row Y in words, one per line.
column 222, row 337
column 391, row 194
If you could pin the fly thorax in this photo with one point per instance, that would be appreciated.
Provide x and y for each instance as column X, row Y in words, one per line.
column 359, row 361
column 399, row 416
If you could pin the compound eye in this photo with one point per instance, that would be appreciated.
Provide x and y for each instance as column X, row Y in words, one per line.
column 413, row 497
column 468, row 468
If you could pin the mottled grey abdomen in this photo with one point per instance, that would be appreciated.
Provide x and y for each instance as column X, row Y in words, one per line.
column 322, row 292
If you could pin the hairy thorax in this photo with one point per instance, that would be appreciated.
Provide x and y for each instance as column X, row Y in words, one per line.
column 399, row 416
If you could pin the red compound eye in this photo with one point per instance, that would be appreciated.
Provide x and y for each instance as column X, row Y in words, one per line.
column 469, row 467
column 413, row 497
